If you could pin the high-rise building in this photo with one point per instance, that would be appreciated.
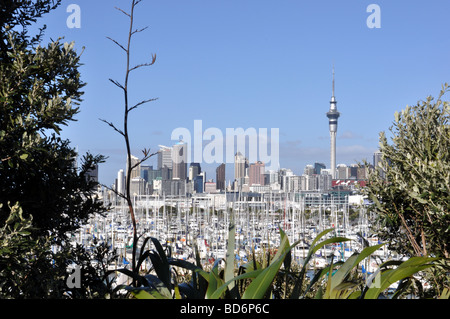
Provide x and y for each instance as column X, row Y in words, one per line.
column 363, row 172
column 121, row 182
column 173, row 187
column 138, row 186
column 240, row 165
column 179, row 161
column 92, row 174
column 210, row 187
column 220, row 177
column 135, row 167
column 256, row 173
column 333, row 116
column 342, row 172
column 318, row 167
column 270, row 177
column 165, row 157
column 377, row 156
column 324, row 181
column 194, row 170
column 199, row 182
column 353, row 169
column 145, row 169
column 166, row 173
column 309, row 170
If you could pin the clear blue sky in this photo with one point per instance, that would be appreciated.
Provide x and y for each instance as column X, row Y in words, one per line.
column 260, row 64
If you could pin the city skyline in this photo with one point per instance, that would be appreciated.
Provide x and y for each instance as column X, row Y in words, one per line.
column 255, row 64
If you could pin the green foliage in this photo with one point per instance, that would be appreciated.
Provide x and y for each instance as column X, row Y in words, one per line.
column 18, row 15
column 413, row 200
column 342, row 280
column 410, row 190
column 40, row 88
column 386, row 276
column 30, row 268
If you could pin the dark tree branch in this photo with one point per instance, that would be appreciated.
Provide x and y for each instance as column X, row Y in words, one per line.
column 145, row 64
column 117, row 84
column 147, row 155
column 114, row 191
column 113, row 126
column 121, row 46
column 140, row 103
column 139, row 30
column 125, row 13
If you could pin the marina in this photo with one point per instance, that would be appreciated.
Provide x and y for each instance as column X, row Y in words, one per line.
column 203, row 221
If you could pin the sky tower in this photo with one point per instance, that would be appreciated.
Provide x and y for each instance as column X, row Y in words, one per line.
column 333, row 116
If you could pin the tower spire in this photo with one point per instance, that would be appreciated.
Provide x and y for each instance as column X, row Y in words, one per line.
column 333, row 80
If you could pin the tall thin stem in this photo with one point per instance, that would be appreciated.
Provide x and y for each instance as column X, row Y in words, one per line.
column 127, row 141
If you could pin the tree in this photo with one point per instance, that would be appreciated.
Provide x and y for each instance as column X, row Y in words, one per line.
column 413, row 200
column 128, row 107
column 40, row 90
column 44, row 197
column 20, row 14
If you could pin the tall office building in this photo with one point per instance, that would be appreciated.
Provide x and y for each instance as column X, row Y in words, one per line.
column 194, row 170
column 92, row 175
column 138, row 186
column 333, row 116
column 240, row 166
column 199, row 182
column 377, row 156
column 309, row 170
column 318, row 167
column 343, row 172
column 165, row 157
column 220, row 177
column 136, row 168
column 353, row 171
column 179, row 161
column 256, row 173
column 121, row 182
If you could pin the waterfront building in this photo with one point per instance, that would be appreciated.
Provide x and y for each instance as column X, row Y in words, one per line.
column 240, row 167
column 179, row 161
column 342, row 172
column 210, row 187
column 220, row 177
column 377, row 155
column 256, row 173
column 194, row 170
column 165, row 157
column 199, row 181
column 318, row 167
column 138, row 186
column 135, row 167
column 120, row 182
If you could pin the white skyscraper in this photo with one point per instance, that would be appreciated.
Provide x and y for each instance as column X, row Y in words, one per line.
column 121, row 182
column 165, row 157
column 240, row 165
column 135, row 167
column 179, row 160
